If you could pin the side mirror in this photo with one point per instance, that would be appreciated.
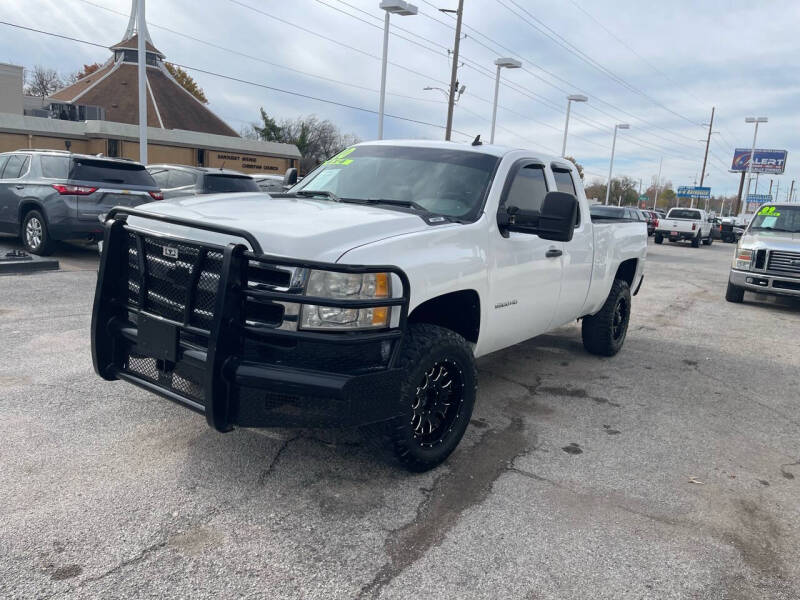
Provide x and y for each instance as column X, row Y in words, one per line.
column 555, row 221
column 290, row 177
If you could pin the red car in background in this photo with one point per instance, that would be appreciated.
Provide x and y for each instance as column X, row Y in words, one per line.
column 652, row 220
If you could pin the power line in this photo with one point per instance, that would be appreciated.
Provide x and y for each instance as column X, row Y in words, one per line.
column 258, row 58
column 567, row 45
column 239, row 80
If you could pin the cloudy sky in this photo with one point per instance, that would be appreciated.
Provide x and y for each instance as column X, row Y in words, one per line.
column 659, row 66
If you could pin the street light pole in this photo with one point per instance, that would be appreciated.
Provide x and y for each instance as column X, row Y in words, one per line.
column 141, row 68
column 755, row 120
column 398, row 7
column 570, row 99
column 508, row 63
column 611, row 164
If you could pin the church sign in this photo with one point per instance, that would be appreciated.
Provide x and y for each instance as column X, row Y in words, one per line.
column 248, row 163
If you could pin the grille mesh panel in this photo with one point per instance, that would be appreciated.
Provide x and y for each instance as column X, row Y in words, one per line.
column 784, row 262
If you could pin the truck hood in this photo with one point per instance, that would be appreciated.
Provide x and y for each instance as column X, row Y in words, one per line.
column 301, row 228
column 772, row 240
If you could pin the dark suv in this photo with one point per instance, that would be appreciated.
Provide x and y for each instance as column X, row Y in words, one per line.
column 49, row 195
column 178, row 181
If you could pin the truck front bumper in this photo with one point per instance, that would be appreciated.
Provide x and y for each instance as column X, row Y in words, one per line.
column 765, row 283
column 193, row 329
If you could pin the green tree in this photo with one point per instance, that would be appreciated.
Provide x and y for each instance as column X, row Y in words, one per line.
column 187, row 82
column 577, row 165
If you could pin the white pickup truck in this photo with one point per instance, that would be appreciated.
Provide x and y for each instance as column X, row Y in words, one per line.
column 685, row 224
column 362, row 296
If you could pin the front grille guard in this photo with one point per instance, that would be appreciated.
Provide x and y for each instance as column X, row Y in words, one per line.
column 111, row 333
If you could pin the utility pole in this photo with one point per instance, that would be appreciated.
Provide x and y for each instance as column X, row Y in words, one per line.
column 658, row 180
column 777, row 190
column 738, row 206
column 708, row 143
column 791, row 192
column 454, row 74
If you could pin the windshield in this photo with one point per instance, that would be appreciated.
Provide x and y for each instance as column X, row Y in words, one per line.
column 682, row 213
column 229, row 183
column 777, row 218
column 445, row 182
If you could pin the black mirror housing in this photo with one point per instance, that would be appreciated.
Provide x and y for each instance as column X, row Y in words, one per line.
column 555, row 221
column 290, row 177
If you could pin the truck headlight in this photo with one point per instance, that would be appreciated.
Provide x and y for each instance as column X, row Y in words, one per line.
column 346, row 286
column 743, row 259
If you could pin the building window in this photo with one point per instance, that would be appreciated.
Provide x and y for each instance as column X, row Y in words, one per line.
column 201, row 157
column 113, row 148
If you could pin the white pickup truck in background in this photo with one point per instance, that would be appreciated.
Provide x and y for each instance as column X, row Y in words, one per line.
column 362, row 296
column 685, row 224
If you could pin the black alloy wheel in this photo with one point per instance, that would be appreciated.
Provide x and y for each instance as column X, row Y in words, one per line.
column 437, row 402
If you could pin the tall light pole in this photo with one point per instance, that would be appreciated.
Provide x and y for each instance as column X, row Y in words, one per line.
column 613, row 147
column 141, row 30
column 570, row 99
column 508, row 63
column 398, row 7
column 755, row 120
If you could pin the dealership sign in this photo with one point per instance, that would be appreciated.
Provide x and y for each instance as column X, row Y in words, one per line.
column 759, row 198
column 764, row 161
column 685, row 191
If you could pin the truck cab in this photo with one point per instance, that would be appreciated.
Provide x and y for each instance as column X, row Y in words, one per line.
column 363, row 295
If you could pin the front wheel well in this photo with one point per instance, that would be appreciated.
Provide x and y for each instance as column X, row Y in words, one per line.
column 458, row 311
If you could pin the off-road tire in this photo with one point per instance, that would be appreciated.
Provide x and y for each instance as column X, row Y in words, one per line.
column 424, row 347
column 35, row 235
column 603, row 333
column 696, row 241
column 659, row 239
column 734, row 293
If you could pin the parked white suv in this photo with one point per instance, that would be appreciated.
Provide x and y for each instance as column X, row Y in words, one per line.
column 691, row 224
column 363, row 296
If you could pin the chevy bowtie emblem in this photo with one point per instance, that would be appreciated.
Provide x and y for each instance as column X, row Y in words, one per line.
column 170, row 252
column 795, row 263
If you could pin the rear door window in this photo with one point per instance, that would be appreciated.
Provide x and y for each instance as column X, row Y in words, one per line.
column 178, row 178
column 111, row 172
column 229, row 183
column 3, row 161
column 564, row 181
column 11, row 170
column 528, row 189
column 54, row 167
column 161, row 177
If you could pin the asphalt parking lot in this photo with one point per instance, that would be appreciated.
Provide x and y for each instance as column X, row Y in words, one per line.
column 669, row 471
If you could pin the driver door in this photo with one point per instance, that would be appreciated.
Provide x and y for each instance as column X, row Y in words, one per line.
column 525, row 272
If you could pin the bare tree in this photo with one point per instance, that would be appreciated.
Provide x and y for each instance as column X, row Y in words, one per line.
column 42, row 82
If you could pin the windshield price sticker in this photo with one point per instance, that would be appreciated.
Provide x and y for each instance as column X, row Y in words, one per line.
column 340, row 159
column 769, row 211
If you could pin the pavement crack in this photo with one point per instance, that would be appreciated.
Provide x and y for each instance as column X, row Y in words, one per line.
column 469, row 482
column 265, row 474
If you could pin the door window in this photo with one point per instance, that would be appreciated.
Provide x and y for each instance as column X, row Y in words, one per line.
column 11, row 170
column 179, row 178
column 161, row 177
column 23, row 170
column 565, row 183
column 528, row 188
column 3, row 161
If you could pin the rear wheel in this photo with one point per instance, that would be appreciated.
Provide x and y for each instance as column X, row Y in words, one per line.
column 659, row 239
column 708, row 241
column 34, row 234
column 696, row 241
column 437, row 398
column 734, row 293
column 604, row 333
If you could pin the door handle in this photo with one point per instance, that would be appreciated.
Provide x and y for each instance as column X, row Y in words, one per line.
column 19, row 186
column 553, row 253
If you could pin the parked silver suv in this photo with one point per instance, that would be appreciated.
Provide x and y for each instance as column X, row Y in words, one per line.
column 767, row 259
column 49, row 195
column 180, row 181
